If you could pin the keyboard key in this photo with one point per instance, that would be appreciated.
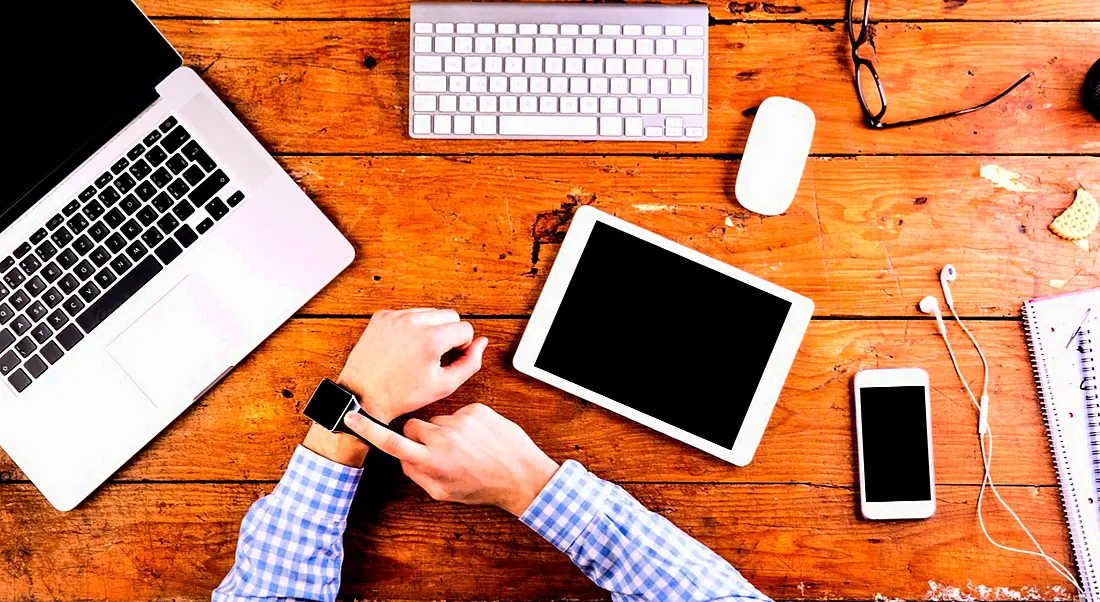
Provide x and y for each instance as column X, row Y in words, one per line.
column 67, row 259
column 104, row 278
column 125, row 183
column 82, row 245
column 76, row 224
column 217, row 209
column 109, row 196
column 93, row 210
column 19, row 380
column 168, row 251
column 100, row 256
column 205, row 225
column 235, row 198
column 168, row 124
column 140, row 169
column 185, row 235
column 146, row 190
column 89, row 292
column 183, row 209
column 152, row 138
column 84, row 270
column 120, row 264
column 681, row 106
column 99, row 231
column 115, row 242
column 87, row 193
column 55, row 221
column 177, row 164
column 20, row 325
column 104, row 179
column 30, row 264
column 194, row 175
column 71, row 208
column 175, row 139
column 161, row 178
column 696, row 30
column 203, row 192
column 147, row 215
column 68, row 283
column 151, row 237
column 36, row 311
column 22, row 250
column 35, row 366
column 51, row 272
column 131, row 229
column 130, row 204
column 120, row 166
column 26, row 346
column 42, row 333
column 57, row 319
column 38, row 236
column 114, row 218
column 7, row 264
column 163, row 202
column 14, row 278
column 69, row 336
column 6, row 313
column 136, row 250
column 167, row 223
column 3, row 291
column 52, row 352
column 136, row 152
column 73, row 305
column 156, row 156
column 118, row 294
column 6, row 339
column 52, row 297
column 35, row 286
column 178, row 188
column 8, row 362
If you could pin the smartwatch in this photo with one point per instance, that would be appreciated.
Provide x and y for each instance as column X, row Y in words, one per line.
column 330, row 403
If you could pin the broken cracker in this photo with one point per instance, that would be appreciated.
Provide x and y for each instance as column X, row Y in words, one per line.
column 1080, row 219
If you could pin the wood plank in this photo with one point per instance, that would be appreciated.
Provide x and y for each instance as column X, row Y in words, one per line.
column 303, row 87
column 248, row 426
column 864, row 237
column 146, row 541
column 780, row 10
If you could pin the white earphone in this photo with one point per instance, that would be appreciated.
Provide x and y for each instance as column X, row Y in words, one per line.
column 929, row 305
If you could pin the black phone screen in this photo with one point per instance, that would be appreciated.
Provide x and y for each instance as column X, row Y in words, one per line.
column 896, row 465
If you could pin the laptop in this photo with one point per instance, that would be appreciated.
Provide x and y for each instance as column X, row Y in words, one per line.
column 147, row 242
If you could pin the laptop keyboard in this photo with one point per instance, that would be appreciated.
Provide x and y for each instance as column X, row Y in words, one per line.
column 103, row 246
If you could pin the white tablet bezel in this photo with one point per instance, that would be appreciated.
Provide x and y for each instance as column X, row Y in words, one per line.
column 771, row 383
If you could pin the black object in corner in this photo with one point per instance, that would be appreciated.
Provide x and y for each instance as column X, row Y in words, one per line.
column 1091, row 94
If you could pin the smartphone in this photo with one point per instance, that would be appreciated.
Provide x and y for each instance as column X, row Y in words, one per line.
column 894, row 433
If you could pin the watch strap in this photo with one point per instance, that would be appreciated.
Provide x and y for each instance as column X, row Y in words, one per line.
column 342, row 427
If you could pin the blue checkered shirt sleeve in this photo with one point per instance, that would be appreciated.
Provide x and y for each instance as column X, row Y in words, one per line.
column 628, row 550
column 291, row 542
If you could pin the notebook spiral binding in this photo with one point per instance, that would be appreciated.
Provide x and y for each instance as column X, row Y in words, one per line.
column 1071, row 507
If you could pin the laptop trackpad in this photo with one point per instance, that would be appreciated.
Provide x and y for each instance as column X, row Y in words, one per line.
column 180, row 346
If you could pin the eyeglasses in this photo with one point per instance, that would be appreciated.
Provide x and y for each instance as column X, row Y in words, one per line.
column 874, row 119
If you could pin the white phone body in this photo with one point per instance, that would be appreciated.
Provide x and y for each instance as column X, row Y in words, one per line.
column 897, row 434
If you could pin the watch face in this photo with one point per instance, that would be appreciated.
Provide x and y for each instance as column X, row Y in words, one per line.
column 328, row 405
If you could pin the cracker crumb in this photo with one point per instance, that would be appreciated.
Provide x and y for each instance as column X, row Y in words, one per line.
column 1003, row 178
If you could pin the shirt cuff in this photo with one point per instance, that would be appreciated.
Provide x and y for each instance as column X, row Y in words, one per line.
column 318, row 484
column 564, row 508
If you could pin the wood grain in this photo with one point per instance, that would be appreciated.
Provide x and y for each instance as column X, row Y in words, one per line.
column 864, row 237
column 780, row 10
column 302, row 86
column 248, row 426
column 156, row 541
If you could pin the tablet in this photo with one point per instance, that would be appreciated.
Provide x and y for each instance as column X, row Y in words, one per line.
column 664, row 335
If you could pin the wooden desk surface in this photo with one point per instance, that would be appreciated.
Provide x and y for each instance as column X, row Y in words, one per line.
column 476, row 225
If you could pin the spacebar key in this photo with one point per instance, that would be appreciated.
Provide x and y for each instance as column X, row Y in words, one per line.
column 548, row 125
column 118, row 294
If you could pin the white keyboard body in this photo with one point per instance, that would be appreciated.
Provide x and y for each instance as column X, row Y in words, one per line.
column 539, row 71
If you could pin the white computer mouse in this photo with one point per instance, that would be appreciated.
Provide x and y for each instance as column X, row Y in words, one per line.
column 775, row 155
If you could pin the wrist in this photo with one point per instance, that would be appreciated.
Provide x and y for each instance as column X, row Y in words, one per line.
column 338, row 447
column 536, row 474
column 368, row 400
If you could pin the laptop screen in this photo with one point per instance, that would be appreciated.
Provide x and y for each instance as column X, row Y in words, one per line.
column 75, row 74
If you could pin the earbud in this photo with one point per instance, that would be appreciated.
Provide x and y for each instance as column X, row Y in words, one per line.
column 947, row 274
column 929, row 305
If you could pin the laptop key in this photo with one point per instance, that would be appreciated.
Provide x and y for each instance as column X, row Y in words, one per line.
column 216, row 208
column 109, row 197
column 168, row 251
column 177, row 164
column 25, row 347
column 100, row 256
column 93, row 210
column 19, row 380
column 168, row 124
column 125, row 183
column 119, row 293
column 193, row 151
column 83, row 270
column 3, row 290
column 147, row 215
column 36, row 366
column 82, row 244
column 194, row 175
column 38, row 236
column 42, row 333
column 68, row 283
column 67, row 259
column 77, row 224
column 114, row 218
column 6, row 339
column 175, row 139
column 136, row 250
column 136, row 152
column 73, row 305
column 104, row 278
column 120, row 165
column 69, row 336
column 152, row 138
column 20, row 324
column 61, row 237
column 156, row 156
column 131, row 229
column 36, row 311
column 46, row 251
column 140, row 169
column 55, row 221
column 146, row 190
column 205, row 225
column 99, row 231
column 151, row 237
column 30, row 264
column 35, row 286
column 52, row 352
column 183, row 209
column 103, row 180
column 87, row 193
column 235, row 199
column 205, row 191
column 167, row 223
column 120, row 264
column 8, row 362
column 14, row 278
column 185, row 235
column 5, row 313
column 89, row 292
column 115, row 242
column 19, row 300
column 161, row 178
column 51, row 272
column 22, row 250
column 6, row 264
column 178, row 188
column 52, row 297
column 57, row 319
column 71, row 208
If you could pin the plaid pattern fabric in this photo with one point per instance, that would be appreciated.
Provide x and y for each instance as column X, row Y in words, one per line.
column 628, row 550
column 291, row 542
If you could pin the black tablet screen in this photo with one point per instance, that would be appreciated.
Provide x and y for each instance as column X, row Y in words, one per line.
column 664, row 335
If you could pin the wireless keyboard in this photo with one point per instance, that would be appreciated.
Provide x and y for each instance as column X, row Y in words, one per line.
column 540, row 71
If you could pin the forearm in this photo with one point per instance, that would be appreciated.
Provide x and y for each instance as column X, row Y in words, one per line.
column 622, row 547
column 291, row 542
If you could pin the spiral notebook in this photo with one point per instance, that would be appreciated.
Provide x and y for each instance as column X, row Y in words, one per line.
column 1061, row 332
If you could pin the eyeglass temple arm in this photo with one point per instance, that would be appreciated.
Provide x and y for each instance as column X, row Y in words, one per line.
column 886, row 126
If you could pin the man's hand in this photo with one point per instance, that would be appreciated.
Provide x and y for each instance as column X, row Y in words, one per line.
column 396, row 367
column 474, row 456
